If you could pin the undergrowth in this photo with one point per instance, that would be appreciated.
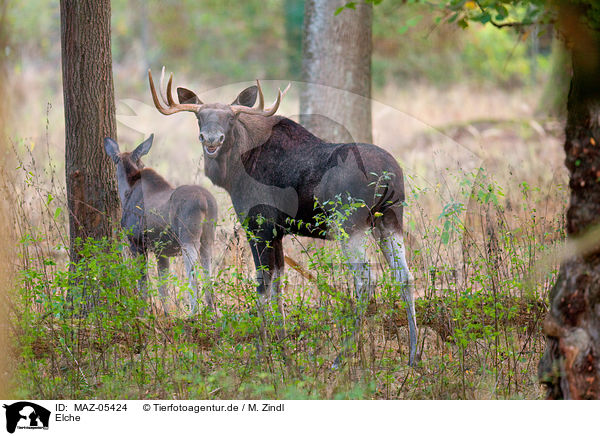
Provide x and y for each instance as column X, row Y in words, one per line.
column 483, row 268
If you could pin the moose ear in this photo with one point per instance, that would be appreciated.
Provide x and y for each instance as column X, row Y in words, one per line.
column 112, row 149
column 186, row 96
column 142, row 149
column 247, row 97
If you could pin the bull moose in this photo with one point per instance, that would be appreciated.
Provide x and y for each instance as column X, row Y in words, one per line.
column 278, row 175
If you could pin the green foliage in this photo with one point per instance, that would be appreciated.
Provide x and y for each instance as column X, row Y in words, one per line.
column 294, row 26
column 34, row 32
column 497, row 12
column 409, row 42
column 513, row 13
column 480, row 326
column 213, row 39
column 499, row 56
column 218, row 42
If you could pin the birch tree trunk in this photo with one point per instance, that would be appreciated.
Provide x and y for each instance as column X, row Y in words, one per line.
column 337, row 54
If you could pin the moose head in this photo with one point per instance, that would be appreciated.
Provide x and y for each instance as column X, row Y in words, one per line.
column 215, row 120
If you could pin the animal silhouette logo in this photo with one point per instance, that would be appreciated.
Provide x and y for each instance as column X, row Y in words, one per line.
column 26, row 415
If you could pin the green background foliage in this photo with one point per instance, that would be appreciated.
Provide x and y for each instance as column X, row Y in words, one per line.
column 231, row 41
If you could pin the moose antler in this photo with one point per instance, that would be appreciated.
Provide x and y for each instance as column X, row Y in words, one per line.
column 171, row 106
column 259, row 110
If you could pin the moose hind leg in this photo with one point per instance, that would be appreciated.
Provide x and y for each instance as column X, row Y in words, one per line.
column 206, row 272
column 190, row 259
column 392, row 245
column 355, row 253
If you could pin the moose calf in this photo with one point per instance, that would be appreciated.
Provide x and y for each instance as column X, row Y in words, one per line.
column 165, row 220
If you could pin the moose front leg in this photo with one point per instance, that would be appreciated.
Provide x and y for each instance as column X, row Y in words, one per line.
column 268, row 260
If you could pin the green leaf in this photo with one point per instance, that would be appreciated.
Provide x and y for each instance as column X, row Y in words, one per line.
column 413, row 21
column 349, row 5
column 502, row 12
column 485, row 17
column 57, row 213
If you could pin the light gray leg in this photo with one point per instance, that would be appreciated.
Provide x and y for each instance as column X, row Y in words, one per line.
column 355, row 252
column 392, row 245
column 275, row 284
column 190, row 259
column 163, row 272
column 275, row 289
column 206, row 273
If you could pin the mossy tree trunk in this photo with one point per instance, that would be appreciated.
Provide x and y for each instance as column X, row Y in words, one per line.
column 570, row 366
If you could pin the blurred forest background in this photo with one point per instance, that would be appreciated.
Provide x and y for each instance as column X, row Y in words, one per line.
column 473, row 115
column 215, row 43
column 224, row 41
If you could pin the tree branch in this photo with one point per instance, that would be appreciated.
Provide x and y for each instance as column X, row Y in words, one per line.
column 510, row 23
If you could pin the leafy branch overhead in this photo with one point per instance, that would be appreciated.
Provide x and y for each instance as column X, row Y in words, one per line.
column 516, row 13
column 498, row 13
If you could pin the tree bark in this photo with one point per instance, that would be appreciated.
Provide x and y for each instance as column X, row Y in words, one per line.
column 337, row 54
column 89, row 117
column 570, row 366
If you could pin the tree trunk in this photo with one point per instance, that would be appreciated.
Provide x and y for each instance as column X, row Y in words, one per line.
column 570, row 366
column 89, row 117
column 337, row 54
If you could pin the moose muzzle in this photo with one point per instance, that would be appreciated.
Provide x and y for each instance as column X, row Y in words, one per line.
column 212, row 141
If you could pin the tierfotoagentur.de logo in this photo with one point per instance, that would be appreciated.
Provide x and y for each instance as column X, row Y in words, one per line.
column 26, row 415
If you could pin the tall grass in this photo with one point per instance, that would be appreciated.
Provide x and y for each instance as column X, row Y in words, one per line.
column 481, row 297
